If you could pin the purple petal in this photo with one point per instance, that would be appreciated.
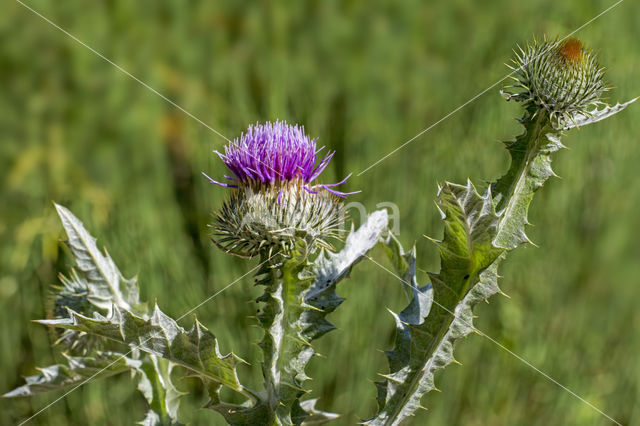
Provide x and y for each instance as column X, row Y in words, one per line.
column 226, row 185
column 339, row 193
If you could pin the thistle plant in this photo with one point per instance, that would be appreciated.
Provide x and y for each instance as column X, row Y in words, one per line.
column 559, row 85
column 278, row 212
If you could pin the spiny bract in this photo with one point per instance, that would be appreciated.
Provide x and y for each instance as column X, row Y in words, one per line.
column 562, row 77
column 272, row 216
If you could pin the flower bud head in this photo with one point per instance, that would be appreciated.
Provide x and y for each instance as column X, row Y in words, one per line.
column 562, row 77
column 272, row 217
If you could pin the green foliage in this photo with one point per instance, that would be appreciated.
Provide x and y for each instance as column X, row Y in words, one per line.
column 478, row 230
column 283, row 305
column 105, row 285
column 77, row 131
column 428, row 327
column 77, row 371
column 589, row 117
column 158, row 389
column 330, row 268
column 160, row 335
column 299, row 294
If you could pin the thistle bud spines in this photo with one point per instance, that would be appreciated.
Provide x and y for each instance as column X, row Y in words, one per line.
column 561, row 77
column 271, row 217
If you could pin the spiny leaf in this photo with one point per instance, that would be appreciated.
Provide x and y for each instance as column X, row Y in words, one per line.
column 475, row 238
column 297, row 297
column 479, row 230
column 427, row 328
column 98, row 273
column 328, row 270
column 579, row 120
column 331, row 268
column 418, row 308
column 283, row 305
column 156, row 385
column 306, row 413
column 151, row 419
column 470, row 227
column 160, row 335
column 77, row 371
column 238, row 414
column 530, row 168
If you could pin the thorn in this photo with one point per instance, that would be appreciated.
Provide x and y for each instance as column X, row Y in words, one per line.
column 502, row 293
column 455, row 361
column 433, row 240
column 436, row 389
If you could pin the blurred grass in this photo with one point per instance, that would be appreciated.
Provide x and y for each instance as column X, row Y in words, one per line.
column 364, row 77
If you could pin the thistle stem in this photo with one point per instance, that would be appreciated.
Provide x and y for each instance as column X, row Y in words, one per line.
column 466, row 253
column 282, row 343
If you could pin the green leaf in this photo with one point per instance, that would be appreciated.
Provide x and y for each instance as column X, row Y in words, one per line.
column 530, row 168
column 579, row 120
column 97, row 273
column 414, row 313
column 427, row 328
column 75, row 372
column 478, row 232
column 298, row 296
column 238, row 414
column 151, row 419
column 157, row 387
column 306, row 413
column 283, row 341
column 331, row 268
column 160, row 335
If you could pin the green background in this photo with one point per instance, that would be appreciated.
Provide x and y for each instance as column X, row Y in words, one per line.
column 363, row 77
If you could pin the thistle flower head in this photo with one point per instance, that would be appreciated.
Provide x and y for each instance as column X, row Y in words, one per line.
column 73, row 293
column 562, row 77
column 275, row 200
column 275, row 152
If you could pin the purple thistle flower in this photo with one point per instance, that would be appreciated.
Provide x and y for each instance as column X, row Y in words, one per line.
column 277, row 202
column 274, row 153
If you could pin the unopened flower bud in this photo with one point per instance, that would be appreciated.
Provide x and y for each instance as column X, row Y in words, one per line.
column 561, row 77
